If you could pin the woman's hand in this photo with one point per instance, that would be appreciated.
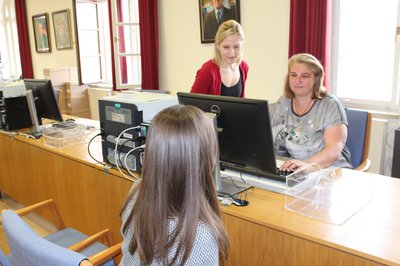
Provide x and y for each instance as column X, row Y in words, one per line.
column 292, row 165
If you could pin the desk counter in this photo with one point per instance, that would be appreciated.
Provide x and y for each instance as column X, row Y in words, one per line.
column 263, row 233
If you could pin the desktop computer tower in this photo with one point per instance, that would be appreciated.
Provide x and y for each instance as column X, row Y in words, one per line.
column 14, row 113
column 396, row 154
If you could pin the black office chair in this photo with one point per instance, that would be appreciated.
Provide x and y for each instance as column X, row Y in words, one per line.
column 358, row 138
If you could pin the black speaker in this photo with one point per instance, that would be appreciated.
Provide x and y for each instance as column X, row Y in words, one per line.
column 396, row 154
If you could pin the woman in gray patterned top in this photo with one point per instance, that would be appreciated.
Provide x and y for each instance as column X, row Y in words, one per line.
column 172, row 216
column 308, row 123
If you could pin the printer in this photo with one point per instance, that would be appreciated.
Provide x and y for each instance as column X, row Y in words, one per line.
column 127, row 116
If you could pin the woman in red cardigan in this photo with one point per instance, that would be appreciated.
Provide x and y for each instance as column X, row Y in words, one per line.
column 226, row 73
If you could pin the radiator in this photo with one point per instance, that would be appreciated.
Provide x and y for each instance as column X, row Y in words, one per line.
column 387, row 157
column 377, row 146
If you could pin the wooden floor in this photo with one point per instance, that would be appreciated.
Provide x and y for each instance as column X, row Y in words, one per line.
column 41, row 226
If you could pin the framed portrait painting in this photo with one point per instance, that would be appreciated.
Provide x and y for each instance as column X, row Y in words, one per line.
column 41, row 33
column 215, row 12
column 62, row 29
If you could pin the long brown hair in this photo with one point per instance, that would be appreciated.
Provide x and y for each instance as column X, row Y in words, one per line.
column 177, row 183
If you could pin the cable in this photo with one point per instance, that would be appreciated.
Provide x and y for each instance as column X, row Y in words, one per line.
column 126, row 156
column 88, row 149
column 115, row 153
column 119, row 151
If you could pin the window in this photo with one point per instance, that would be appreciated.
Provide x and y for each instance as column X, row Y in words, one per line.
column 365, row 54
column 10, row 63
column 127, row 44
column 95, row 42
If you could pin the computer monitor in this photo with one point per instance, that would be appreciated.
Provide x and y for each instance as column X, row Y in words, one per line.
column 244, row 132
column 45, row 101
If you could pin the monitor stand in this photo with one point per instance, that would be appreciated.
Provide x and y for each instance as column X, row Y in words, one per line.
column 228, row 188
column 36, row 131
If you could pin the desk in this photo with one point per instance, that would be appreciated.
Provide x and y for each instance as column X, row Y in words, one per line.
column 263, row 233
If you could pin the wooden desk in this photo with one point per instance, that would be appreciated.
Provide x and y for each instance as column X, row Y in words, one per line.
column 263, row 233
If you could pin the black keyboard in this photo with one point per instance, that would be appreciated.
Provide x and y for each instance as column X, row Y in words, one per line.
column 283, row 173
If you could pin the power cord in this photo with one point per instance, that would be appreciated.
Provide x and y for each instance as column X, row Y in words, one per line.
column 88, row 149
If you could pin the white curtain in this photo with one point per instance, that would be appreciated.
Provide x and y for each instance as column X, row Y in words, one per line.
column 10, row 63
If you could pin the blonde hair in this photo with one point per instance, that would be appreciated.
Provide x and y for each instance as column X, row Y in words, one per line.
column 317, row 69
column 226, row 29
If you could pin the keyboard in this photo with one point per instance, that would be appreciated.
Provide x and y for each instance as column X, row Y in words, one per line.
column 283, row 173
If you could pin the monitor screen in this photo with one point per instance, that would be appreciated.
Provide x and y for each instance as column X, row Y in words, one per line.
column 244, row 131
column 45, row 101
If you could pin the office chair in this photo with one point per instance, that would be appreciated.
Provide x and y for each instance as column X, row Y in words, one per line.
column 358, row 138
column 4, row 261
column 67, row 246
column 58, row 95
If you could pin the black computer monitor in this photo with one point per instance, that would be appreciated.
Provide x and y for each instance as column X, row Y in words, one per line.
column 45, row 100
column 244, row 131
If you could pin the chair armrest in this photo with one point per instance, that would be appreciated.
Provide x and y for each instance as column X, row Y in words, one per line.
column 364, row 166
column 46, row 203
column 106, row 255
column 92, row 239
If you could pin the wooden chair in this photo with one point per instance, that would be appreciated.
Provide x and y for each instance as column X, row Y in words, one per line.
column 358, row 138
column 67, row 246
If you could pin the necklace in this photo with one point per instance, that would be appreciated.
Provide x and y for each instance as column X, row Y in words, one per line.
column 297, row 109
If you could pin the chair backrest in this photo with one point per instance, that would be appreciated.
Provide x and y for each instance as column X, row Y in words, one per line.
column 358, row 135
column 3, row 259
column 58, row 96
column 28, row 248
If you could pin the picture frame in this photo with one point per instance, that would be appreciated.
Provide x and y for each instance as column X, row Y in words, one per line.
column 41, row 33
column 209, row 22
column 62, row 29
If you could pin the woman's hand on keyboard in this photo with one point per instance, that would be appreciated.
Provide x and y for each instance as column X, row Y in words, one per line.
column 292, row 165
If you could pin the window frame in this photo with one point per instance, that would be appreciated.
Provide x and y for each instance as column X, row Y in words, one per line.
column 118, row 55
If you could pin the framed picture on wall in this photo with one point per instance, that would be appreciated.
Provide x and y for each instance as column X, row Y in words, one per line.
column 62, row 29
column 215, row 12
column 41, row 33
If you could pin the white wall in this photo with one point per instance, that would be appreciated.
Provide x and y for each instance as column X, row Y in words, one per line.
column 266, row 26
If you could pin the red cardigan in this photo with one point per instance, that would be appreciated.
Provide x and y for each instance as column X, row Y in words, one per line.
column 208, row 78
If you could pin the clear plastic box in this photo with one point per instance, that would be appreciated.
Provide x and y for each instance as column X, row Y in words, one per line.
column 63, row 137
column 327, row 197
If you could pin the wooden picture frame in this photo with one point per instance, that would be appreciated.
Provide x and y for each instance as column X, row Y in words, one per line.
column 62, row 29
column 41, row 33
column 208, row 16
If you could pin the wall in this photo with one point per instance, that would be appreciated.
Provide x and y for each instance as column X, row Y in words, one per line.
column 265, row 22
column 56, row 58
column 266, row 26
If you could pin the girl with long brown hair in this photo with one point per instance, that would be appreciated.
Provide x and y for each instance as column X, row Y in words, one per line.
column 172, row 216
